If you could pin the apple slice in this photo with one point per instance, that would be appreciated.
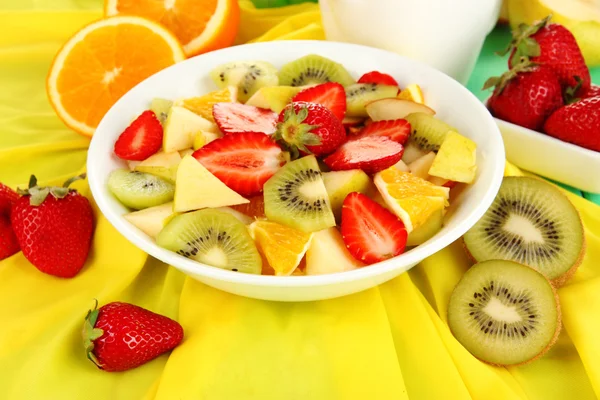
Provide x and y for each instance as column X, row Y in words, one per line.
column 327, row 254
column 456, row 159
column 274, row 98
column 161, row 159
column 151, row 220
column 341, row 183
column 393, row 108
column 181, row 127
column 401, row 165
column 420, row 167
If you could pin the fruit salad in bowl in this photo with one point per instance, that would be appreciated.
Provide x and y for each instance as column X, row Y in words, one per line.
column 288, row 178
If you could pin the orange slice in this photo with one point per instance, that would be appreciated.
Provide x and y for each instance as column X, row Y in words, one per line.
column 101, row 62
column 200, row 25
column 413, row 93
column 203, row 105
column 283, row 247
column 411, row 198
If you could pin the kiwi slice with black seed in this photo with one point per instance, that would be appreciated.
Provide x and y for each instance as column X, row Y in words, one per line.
column 247, row 76
column 313, row 69
column 139, row 190
column 161, row 108
column 359, row 94
column 504, row 313
column 296, row 196
column 213, row 238
column 427, row 132
column 533, row 223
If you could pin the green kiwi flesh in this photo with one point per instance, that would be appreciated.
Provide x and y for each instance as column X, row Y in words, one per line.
column 161, row 108
column 313, row 69
column 213, row 238
column 427, row 132
column 247, row 76
column 530, row 222
column 296, row 196
column 139, row 190
column 504, row 313
column 359, row 94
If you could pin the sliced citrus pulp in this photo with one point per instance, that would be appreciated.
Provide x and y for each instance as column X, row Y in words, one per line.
column 200, row 25
column 101, row 62
column 203, row 105
column 411, row 198
column 413, row 93
column 283, row 247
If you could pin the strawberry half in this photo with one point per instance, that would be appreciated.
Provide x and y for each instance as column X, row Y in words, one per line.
column 371, row 154
column 329, row 94
column 398, row 130
column 378, row 77
column 243, row 161
column 237, row 117
column 141, row 139
column 371, row 233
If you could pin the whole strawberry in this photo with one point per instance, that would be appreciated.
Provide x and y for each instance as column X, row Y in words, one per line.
column 525, row 95
column 594, row 91
column 54, row 227
column 309, row 128
column 577, row 123
column 553, row 46
column 8, row 241
column 121, row 336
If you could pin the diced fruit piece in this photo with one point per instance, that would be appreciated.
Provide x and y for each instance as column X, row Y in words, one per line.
column 180, row 128
column 427, row 132
column 161, row 159
column 456, row 159
column 360, row 94
column 197, row 188
column 352, row 121
column 199, row 140
column 427, row 230
column 411, row 198
column 371, row 233
column 282, row 246
column 243, row 218
column 236, row 118
column 441, row 181
column 254, row 209
column 313, row 69
column 203, row 105
column 402, row 166
column 151, row 220
column 371, row 154
column 296, row 196
column 247, row 76
column 341, row 183
column 330, row 95
column 186, row 152
column 420, row 167
column 412, row 153
column 213, row 238
column 398, row 130
column 394, row 108
column 328, row 254
column 141, row 139
column 167, row 173
column 139, row 190
column 413, row 93
column 274, row 98
column 377, row 77
column 161, row 108
column 243, row 161
column 309, row 128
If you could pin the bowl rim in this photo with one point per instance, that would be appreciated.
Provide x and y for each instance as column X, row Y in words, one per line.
column 407, row 260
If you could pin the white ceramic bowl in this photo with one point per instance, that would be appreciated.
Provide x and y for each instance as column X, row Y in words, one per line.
column 454, row 104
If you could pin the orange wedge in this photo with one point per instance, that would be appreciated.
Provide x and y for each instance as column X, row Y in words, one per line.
column 413, row 93
column 200, row 25
column 203, row 105
column 101, row 62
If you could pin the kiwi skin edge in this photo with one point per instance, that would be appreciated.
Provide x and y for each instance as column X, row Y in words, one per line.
column 552, row 341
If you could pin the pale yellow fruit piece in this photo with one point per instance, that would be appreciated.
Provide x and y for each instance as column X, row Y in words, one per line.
column 203, row 105
column 151, row 220
column 186, row 152
column 456, row 159
column 274, row 98
column 180, row 128
column 427, row 230
column 420, row 167
column 168, row 173
column 161, row 159
column 413, row 93
column 328, row 254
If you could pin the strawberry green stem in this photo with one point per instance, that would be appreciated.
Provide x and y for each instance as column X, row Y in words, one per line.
column 39, row 193
column 91, row 333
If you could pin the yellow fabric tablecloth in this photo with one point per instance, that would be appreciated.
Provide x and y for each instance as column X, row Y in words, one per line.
column 389, row 342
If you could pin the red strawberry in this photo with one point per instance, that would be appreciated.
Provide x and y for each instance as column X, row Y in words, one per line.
column 330, row 95
column 243, row 161
column 377, row 77
column 398, row 130
column 142, row 138
column 7, row 199
column 371, row 233
column 553, row 46
column 8, row 241
column 594, row 91
column 371, row 154
column 577, row 123
column 525, row 95
column 237, row 117
column 54, row 227
column 309, row 128
column 121, row 336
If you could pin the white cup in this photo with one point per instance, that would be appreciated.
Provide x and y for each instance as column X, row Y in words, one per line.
column 446, row 34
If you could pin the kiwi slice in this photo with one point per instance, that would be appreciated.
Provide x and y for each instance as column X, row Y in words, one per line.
column 427, row 132
column 139, row 190
column 214, row 238
column 248, row 76
column 296, row 196
column 313, row 69
column 533, row 223
column 504, row 313
column 161, row 108
column 359, row 94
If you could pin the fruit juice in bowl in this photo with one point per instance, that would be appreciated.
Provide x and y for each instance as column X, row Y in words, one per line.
column 448, row 35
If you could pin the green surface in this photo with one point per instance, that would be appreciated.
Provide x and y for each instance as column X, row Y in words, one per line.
column 490, row 64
